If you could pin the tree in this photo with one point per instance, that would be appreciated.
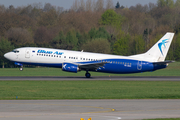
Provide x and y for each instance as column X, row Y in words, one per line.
column 100, row 33
column 139, row 44
column 89, row 5
column 177, row 48
column 19, row 36
column 163, row 3
column 170, row 3
column 75, row 5
column 109, row 4
column 100, row 45
column 121, row 46
column 59, row 41
column 71, row 40
column 151, row 6
column 48, row 7
column 177, row 3
column 2, row 9
column 43, row 36
column 99, row 6
column 26, row 10
column 110, row 17
column 79, row 21
column 81, row 39
column 48, row 18
column 13, row 20
column 5, row 46
column 117, row 5
column 82, row 6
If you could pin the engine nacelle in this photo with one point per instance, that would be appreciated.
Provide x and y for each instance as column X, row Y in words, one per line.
column 69, row 67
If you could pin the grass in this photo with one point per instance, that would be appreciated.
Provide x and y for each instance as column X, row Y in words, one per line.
column 172, row 70
column 89, row 90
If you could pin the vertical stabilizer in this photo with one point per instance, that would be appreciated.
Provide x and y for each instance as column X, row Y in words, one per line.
column 159, row 51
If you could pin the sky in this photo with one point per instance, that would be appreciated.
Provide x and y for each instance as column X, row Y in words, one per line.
column 66, row 4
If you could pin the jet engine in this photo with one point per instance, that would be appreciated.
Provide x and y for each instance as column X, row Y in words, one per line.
column 69, row 67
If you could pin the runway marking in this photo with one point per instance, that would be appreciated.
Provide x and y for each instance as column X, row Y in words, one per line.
column 105, row 110
column 147, row 110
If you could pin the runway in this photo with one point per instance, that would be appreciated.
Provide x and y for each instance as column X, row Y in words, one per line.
column 127, row 78
column 96, row 109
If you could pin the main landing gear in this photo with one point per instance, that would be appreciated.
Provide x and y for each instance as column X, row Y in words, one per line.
column 88, row 75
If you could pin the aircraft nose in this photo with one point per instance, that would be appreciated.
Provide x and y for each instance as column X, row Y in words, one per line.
column 7, row 55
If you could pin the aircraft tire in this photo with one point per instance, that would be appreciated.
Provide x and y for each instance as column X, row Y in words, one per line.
column 21, row 69
column 88, row 75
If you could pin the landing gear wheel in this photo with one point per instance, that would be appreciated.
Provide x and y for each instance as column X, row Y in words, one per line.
column 88, row 75
column 21, row 68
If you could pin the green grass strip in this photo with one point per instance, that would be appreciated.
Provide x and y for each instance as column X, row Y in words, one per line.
column 89, row 90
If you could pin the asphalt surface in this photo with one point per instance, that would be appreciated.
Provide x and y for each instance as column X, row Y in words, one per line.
column 130, row 78
column 95, row 109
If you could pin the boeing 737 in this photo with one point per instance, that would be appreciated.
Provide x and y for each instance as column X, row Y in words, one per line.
column 75, row 61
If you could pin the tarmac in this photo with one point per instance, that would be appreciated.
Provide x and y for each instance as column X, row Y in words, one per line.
column 95, row 109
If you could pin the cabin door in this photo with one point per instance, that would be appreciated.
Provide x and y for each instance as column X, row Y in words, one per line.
column 27, row 53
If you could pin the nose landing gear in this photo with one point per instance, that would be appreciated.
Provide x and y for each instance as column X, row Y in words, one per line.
column 19, row 64
column 21, row 68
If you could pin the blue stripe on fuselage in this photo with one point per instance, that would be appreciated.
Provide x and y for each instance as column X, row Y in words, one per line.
column 113, row 65
column 125, row 66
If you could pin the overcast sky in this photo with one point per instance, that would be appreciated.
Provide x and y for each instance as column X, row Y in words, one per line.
column 66, row 4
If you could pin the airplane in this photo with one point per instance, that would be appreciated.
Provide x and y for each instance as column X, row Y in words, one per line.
column 75, row 61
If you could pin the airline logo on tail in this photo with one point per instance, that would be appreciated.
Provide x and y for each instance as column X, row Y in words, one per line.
column 162, row 43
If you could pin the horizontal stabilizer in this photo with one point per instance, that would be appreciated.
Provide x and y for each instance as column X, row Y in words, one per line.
column 164, row 62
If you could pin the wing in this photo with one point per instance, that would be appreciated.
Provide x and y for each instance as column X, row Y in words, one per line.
column 91, row 66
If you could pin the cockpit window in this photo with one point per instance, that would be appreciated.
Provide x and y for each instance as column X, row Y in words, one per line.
column 15, row 51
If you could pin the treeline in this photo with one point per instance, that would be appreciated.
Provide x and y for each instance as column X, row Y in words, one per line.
column 94, row 26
